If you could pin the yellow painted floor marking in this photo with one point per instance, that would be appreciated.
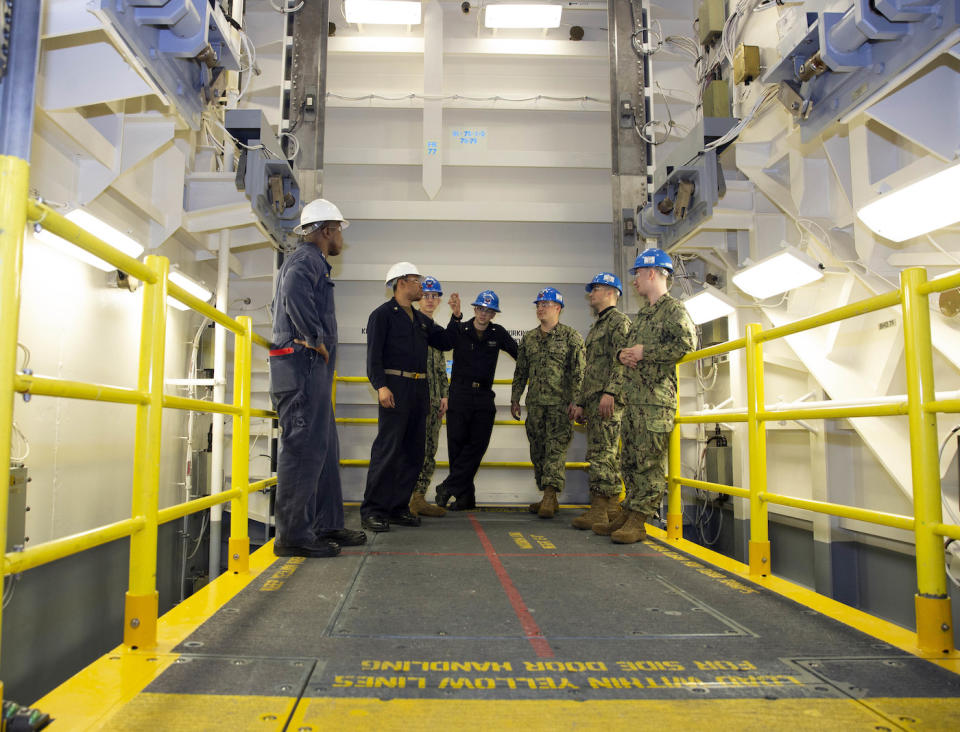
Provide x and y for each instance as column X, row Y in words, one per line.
column 882, row 630
column 743, row 715
column 201, row 712
column 117, row 677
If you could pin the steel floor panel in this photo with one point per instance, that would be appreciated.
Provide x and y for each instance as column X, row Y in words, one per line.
column 504, row 608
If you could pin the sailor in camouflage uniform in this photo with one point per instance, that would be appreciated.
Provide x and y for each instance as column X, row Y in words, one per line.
column 600, row 403
column 660, row 336
column 439, row 389
column 550, row 360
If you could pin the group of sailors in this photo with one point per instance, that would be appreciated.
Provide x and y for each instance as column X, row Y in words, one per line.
column 621, row 383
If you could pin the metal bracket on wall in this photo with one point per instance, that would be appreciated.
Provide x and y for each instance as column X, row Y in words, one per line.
column 181, row 46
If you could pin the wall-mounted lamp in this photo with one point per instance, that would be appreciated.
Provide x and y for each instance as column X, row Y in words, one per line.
column 785, row 270
column 709, row 304
column 918, row 208
column 99, row 229
column 522, row 16
column 192, row 286
column 382, row 12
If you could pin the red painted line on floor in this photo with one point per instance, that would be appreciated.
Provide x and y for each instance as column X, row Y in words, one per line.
column 530, row 628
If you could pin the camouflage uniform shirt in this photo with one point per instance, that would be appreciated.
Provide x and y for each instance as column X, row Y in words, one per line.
column 552, row 364
column 604, row 372
column 666, row 333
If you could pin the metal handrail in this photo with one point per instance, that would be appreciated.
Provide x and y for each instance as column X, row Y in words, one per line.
column 921, row 405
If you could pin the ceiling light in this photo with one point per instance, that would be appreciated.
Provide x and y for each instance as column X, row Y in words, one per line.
column 192, row 286
column 708, row 305
column 785, row 270
column 382, row 12
column 522, row 16
column 99, row 229
column 918, row 208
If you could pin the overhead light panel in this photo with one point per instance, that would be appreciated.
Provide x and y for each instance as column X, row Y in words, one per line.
column 382, row 12
column 191, row 286
column 522, row 16
column 708, row 305
column 921, row 207
column 786, row 270
column 99, row 229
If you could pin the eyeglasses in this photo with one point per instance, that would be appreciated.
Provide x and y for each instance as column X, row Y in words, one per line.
column 431, row 296
column 413, row 278
column 334, row 227
column 480, row 310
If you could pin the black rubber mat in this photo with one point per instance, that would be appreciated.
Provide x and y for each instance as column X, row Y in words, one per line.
column 503, row 605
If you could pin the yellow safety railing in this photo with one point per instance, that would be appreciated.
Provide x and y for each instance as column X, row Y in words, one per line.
column 348, row 463
column 141, row 605
column 932, row 603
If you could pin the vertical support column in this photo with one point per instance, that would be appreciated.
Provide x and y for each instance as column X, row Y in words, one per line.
column 432, row 108
column 239, row 545
column 628, row 109
column 674, row 496
column 934, row 627
column 219, row 395
column 141, row 607
column 759, row 553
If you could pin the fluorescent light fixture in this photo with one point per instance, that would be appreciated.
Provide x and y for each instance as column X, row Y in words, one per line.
column 787, row 269
column 708, row 305
column 191, row 286
column 382, row 12
column 522, row 16
column 99, row 229
column 923, row 206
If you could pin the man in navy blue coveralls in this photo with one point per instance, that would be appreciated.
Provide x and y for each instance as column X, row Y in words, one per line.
column 309, row 505
column 397, row 339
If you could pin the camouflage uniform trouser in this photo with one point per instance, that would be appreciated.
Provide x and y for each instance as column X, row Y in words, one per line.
column 549, row 431
column 646, row 436
column 430, row 448
column 603, row 448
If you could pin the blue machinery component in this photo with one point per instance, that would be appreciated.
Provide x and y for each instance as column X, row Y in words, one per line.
column 263, row 173
column 845, row 58
column 181, row 45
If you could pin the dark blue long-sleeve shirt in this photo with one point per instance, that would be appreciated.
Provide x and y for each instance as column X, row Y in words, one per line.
column 303, row 304
column 394, row 341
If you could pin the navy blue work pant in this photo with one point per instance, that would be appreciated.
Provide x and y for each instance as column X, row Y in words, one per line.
column 397, row 453
column 309, row 497
column 470, row 421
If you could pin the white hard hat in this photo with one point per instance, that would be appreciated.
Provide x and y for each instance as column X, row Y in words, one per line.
column 318, row 211
column 401, row 269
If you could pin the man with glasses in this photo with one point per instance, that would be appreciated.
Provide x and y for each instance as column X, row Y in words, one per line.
column 439, row 389
column 660, row 336
column 476, row 348
column 397, row 339
column 551, row 361
column 309, row 503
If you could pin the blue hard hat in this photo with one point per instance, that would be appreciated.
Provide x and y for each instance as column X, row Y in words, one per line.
column 605, row 278
column 549, row 294
column 652, row 258
column 432, row 284
column 488, row 299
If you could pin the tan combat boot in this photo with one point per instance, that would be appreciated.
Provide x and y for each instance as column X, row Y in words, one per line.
column 613, row 507
column 548, row 504
column 420, row 507
column 632, row 531
column 534, row 507
column 605, row 529
column 596, row 513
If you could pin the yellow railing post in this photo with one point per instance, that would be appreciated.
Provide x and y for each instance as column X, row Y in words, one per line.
column 14, row 188
column 934, row 625
column 141, row 606
column 239, row 544
column 759, row 552
column 674, row 494
column 674, row 497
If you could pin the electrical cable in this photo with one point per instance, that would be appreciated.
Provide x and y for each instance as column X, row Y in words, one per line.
column 286, row 10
